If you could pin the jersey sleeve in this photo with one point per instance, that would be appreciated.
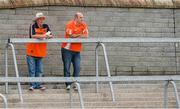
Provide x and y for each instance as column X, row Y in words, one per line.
column 47, row 26
column 31, row 30
column 85, row 31
column 48, row 29
column 69, row 29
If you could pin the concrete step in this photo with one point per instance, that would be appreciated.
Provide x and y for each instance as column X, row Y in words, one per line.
column 76, row 104
column 90, row 95
column 102, row 85
column 117, row 88
column 88, row 90
column 97, row 97
column 136, row 95
column 90, row 99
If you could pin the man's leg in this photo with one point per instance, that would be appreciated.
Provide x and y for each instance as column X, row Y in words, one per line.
column 76, row 60
column 66, row 57
column 31, row 68
column 39, row 70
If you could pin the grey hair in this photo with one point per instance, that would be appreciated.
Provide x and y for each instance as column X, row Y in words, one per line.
column 77, row 14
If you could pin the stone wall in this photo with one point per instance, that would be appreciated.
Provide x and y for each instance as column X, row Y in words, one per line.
column 124, row 58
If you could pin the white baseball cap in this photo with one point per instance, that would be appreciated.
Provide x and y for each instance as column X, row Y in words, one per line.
column 39, row 15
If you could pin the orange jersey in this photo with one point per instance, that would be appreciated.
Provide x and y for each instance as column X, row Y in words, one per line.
column 72, row 28
column 37, row 49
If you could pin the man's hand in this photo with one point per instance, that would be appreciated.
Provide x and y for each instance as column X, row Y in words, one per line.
column 74, row 35
column 49, row 37
column 42, row 36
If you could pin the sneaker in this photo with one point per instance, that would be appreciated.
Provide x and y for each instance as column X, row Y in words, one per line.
column 31, row 88
column 75, row 88
column 68, row 87
column 42, row 87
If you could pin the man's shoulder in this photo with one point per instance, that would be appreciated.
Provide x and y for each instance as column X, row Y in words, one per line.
column 36, row 26
column 70, row 22
column 33, row 25
column 45, row 25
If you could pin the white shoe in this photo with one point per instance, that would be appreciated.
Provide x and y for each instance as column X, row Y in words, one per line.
column 42, row 87
column 68, row 87
column 75, row 88
column 31, row 88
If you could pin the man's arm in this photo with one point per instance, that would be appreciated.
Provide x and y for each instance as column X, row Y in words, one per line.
column 84, row 34
column 74, row 35
column 49, row 33
column 39, row 36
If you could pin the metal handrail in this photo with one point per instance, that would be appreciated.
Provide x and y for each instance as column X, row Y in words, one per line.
column 56, row 40
column 102, row 40
column 93, row 40
column 107, row 68
column 6, row 67
column 76, row 84
column 166, row 94
column 90, row 79
column 171, row 78
column 4, row 100
column 97, row 66
column 16, row 70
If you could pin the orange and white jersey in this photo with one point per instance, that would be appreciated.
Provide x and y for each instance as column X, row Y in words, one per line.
column 37, row 49
column 72, row 28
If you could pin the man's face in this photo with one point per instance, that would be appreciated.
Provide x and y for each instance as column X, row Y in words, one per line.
column 80, row 18
column 40, row 20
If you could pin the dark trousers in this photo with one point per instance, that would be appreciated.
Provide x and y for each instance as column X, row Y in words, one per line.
column 69, row 57
column 35, row 68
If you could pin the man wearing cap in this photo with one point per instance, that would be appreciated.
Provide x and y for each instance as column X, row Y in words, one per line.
column 75, row 28
column 37, row 51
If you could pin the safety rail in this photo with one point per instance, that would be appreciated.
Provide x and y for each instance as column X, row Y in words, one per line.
column 4, row 100
column 99, row 42
column 76, row 80
column 90, row 79
column 12, row 41
column 93, row 40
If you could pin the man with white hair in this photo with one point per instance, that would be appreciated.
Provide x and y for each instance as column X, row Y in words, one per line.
column 75, row 28
column 37, row 51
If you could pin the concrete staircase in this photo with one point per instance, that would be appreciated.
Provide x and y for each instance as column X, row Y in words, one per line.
column 128, row 95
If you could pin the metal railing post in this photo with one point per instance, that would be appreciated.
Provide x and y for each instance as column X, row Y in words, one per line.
column 166, row 94
column 6, row 68
column 79, row 93
column 17, row 72
column 97, row 67
column 4, row 100
column 176, row 94
column 70, row 96
column 108, row 70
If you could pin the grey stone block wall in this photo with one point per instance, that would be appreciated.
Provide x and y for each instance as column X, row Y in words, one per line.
column 124, row 58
